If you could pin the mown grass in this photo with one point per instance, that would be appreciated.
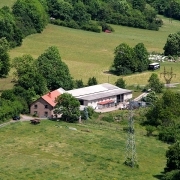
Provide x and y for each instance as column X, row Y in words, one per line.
column 52, row 151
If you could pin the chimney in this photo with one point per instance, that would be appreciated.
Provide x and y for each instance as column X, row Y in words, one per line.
column 49, row 94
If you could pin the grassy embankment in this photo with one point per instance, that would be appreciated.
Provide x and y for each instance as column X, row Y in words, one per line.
column 51, row 150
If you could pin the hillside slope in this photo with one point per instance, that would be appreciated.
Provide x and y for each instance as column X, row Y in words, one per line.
column 51, row 150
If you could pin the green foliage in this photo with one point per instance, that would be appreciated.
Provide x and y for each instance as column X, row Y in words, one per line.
column 173, row 157
column 9, row 28
column 139, row 4
column 68, row 106
column 165, row 114
column 9, row 108
column 53, row 70
column 108, row 118
column 172, row 175
column 80, row 14
column 92, row 81
column 4, row 57
column 30, row 16
column 105, row 26
column 172, row 46
column 120, row 83
column 91, row 112
column 27, row 74
column 129, row 60
column 78, row 83
column 167, row 133
column 129, row 162
column 91, row 27
column 8, row 95
column 62, row 10
column 155, row 84
column 141, row 56
column 151, row 98
column 150, row 130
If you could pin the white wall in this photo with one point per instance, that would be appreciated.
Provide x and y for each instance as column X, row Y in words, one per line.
column 94, row 103
column 127, row 96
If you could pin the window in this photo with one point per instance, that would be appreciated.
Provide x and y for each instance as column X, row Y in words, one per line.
column 45, row 113
column 35, row 106
column 46, row 106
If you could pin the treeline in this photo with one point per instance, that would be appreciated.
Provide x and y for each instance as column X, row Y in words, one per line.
column 163, row 117
column 78, row 14
column 28, row 17
column 168, row 8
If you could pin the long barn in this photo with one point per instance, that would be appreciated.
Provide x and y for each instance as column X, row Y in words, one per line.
column 101, row 96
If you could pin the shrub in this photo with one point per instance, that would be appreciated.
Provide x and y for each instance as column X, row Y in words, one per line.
column 108, row 118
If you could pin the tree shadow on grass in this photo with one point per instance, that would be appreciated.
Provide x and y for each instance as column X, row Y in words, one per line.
column 159, row 176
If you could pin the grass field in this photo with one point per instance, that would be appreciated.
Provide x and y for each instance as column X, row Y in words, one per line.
column 51, row 150
column 89, row 54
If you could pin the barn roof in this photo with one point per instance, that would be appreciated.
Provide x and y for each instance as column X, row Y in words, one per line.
column 97, row 91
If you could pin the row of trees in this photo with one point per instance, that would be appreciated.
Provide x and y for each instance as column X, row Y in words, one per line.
column 168, row 8
column 129, row 60
column 138, row 14
column 163, row 117
column 28, row 17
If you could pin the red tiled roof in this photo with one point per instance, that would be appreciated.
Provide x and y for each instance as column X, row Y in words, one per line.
column 50, row 97
column 105, row 102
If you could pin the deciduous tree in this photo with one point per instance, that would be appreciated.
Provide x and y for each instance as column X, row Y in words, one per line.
column 54, row 70
column 172, row 46
column 141, row 55
column 68, row 106
column 155, row 84
column 28, row 76
column 120, row 83
column 4, row 57
column 31, row 16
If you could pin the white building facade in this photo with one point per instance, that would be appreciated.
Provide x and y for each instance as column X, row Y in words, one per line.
column 101, row 96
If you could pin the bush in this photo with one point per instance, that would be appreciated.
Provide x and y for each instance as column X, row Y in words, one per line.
column 91, row 27
column 172, row 175
column 167, row 134
column 150, row 130
column 106, row 27
column 108, row 118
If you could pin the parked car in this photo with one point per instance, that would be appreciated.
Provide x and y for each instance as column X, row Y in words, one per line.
column 16, row 118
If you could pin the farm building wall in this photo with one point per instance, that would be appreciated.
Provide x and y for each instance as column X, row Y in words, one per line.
column 41, row 108
column 127, row 96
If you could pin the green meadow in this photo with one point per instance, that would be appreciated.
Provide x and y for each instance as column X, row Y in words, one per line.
column 95, row 151
column 89, row 54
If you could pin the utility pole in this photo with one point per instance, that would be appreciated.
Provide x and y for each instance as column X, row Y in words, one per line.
column 168, row 76
column 131, row 158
